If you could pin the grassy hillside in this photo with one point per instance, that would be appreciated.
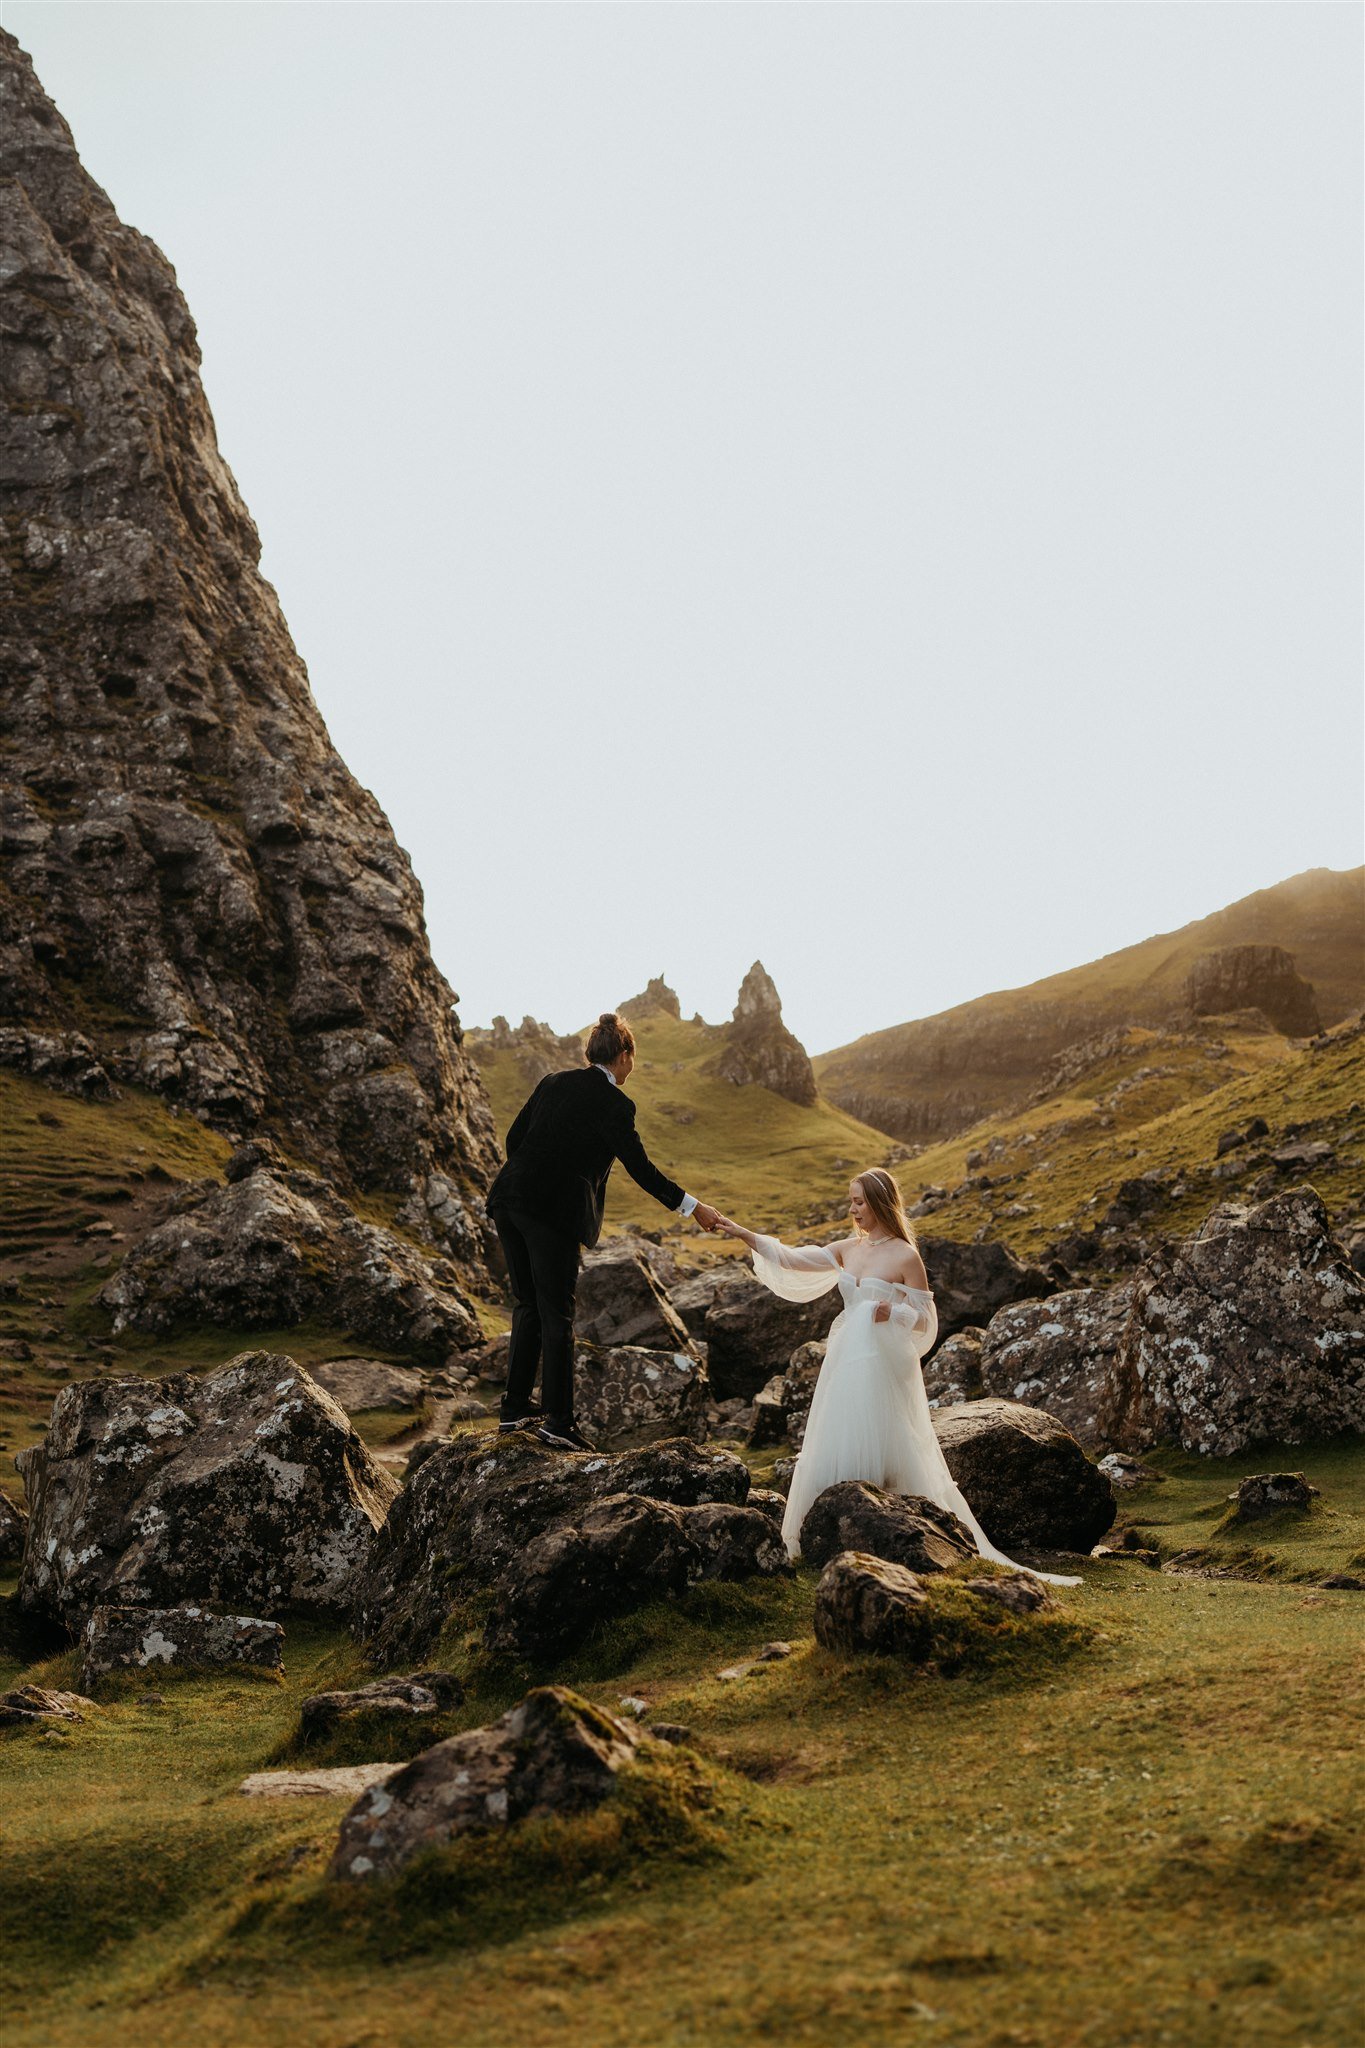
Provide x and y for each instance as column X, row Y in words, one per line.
column 1156, row 1101
column 933, row 1076
column 750, row 1152
column 1141, row 1829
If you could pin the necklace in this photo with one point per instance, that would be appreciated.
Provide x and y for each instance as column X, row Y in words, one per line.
column 878, row 1240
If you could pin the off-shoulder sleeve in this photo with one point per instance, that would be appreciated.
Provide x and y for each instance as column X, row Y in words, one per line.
column 918, row 1317
column 796, row 1272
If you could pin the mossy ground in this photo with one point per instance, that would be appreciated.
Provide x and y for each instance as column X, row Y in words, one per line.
column 1141, row 1832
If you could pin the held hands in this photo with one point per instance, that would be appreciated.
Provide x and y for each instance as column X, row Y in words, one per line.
column 707, row 1218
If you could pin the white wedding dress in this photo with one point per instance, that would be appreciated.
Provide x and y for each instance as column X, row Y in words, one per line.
column 870, row 1417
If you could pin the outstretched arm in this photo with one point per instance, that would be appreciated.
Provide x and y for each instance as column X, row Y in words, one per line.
column 642, row 1170
column 796, row 1272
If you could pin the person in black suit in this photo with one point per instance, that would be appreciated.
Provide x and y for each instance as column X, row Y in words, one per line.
column 548, row 1200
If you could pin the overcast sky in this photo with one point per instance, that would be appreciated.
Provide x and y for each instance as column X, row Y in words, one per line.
column 876, row 488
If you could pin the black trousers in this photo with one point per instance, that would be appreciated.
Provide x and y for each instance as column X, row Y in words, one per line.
column 542, row 1263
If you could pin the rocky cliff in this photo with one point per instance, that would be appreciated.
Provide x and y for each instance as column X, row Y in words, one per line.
column 195, row 894
column 759, row 1050
column 1292, row 952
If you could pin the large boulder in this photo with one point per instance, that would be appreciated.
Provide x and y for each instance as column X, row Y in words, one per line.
column 864, row 1603
column 614, row 1555
column 1058, row 1354
column 188, row 1638
column 953, row 1372
column 628, row 1395
column 971, row 1281
column 750, row 1333
column 620, row 1302
column 273, row 1250
column 244, row 1488
column 1251, row 1331
column 460, row 1532
column 554, row 1753
column 901, row 1528
column 364, row 1383
column 1026, row 1479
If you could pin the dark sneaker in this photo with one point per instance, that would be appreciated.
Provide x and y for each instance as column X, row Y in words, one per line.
column 507, row 1424
column 563, row 1436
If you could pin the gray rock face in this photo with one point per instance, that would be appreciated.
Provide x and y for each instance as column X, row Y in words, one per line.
column 275, row 1249
column 458, row 1534
column 971, row 1281
column 246, row 1488
column 953, row 1372
column 1058, row 1354
column 864, row 1604
column 759, row 1050
column 196, row 889
column 1029, row 1483
column 554, row 1753
column 620, row 1302
column 900, row 1528
column 1260, row 978
column 425, row 1692
column 614, row 1555
column 631, row 1396
column 1017, row 1594
column 1253, row 1330
column 139, row 1638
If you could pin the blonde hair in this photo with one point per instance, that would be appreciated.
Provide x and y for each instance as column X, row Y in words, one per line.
column 884, row 1199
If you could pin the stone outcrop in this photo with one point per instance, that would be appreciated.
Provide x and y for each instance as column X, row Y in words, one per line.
column 195, row 894
column 656, row 999
column 323, row 1714
column 458, row 1537
column 1253, row 1330
column 553, row 1754
column 1272, row 1493
column 188, row 1638
column 759, row 1051
column 863, row 1603
column 38, row 1706
column 537, row 1048
column 278, row 1248
column 1026, row 1479
column 901, row 1528
column 1260, row 978
column 952, row 1372
column 244, row 1488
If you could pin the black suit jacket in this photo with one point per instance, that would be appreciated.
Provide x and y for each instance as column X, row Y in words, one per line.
column 560, row 1152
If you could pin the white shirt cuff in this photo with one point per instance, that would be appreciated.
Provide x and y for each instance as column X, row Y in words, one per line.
column 687, row 1205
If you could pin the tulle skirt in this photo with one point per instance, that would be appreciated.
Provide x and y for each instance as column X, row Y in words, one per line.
column 870, row 1419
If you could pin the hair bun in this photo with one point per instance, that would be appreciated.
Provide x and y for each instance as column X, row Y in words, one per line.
column 607, row 1017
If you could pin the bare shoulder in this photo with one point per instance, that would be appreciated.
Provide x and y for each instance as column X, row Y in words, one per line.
column 839, row 1246
column 912, row 1269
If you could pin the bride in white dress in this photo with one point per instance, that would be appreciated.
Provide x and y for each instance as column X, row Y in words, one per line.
column 870, row 1416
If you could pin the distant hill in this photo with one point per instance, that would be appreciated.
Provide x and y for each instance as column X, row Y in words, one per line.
column 926, row 1080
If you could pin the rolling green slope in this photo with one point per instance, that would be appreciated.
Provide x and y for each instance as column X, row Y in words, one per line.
column 927, row 1079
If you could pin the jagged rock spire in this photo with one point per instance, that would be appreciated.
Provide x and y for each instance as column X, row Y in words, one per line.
column 759, row 1049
